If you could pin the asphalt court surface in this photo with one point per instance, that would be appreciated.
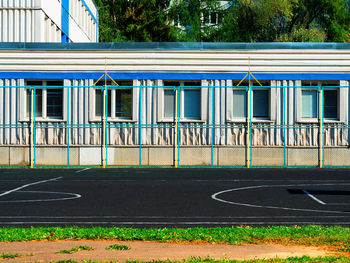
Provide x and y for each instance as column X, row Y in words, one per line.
column 174, row 197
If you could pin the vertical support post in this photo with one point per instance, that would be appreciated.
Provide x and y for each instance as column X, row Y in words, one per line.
column 104, row 126
column 140, row 126
column 176, row 128
column 248, row 121
column 284, row 126
column 68, row 123
column 212, row 123
column 321, row 141
column 32, row 127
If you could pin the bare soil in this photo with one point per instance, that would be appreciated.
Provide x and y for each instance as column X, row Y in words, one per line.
column 46, row 251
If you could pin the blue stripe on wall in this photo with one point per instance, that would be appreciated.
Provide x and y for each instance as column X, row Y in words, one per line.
column 174, row 76
column 65, row 21
column 87, row 7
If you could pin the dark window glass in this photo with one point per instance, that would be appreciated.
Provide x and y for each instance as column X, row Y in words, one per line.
column 261, row 103
column 55, row 103
column 99, row 103
column 330, row 100
column 123, row 103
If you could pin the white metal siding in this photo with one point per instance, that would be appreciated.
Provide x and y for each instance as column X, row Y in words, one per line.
column 180, row 61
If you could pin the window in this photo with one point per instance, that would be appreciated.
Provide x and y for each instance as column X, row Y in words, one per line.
column 239, row 103
column 190, row 101
column 309, row 103
column 262, row 105
column 308, row 106
column 330, row 104
column 48, row 100
column 119, row 100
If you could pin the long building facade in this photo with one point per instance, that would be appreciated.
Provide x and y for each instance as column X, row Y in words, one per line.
column 175, row 104
column 48, row 21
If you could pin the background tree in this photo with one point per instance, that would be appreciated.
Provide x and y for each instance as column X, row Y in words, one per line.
column 135, row 20
column 239, row 21
column 286, row 20
column 196, row 20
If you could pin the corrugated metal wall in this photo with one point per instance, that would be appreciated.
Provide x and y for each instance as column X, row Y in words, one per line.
column 17, row 21
column 85, row 132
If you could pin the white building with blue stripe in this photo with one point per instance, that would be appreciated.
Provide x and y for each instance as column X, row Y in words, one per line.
column 48, row 21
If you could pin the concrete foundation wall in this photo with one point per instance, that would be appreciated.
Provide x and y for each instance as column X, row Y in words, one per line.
column 164, row 156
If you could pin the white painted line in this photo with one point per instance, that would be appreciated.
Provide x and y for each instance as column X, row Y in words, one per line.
column 82, row 170
column 26, row 185
column 71, row 197
column 215, row 197
column 314, row 198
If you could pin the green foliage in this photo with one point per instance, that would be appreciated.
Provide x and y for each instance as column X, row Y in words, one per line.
column 118, row 247
column 286, row 20
column 134, row 20
column 7, row 256
column 74, row 250
column 197, row 20
column 239, row 21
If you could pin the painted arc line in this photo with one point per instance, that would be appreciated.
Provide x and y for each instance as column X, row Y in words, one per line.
column 26, row 185
column 73, row 196
column 176, row 223
column 82, row 170
column 314, row 197
column 215, row 197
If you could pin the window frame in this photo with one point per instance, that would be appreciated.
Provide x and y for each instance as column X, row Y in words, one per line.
column 270, row 87
column 113, row 88
column 203, row 91
column 44, row 88
column 324, row 85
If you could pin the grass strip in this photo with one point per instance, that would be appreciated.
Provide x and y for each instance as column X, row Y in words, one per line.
column 297, row 235
column 118, row 247
column 8, row 256
column 75, row 249
column 304, row 259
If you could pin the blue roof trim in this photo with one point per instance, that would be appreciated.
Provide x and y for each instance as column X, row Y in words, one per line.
column 172, row 46
column 174, row 76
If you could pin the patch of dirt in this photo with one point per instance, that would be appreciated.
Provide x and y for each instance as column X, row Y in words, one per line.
column 46, row 251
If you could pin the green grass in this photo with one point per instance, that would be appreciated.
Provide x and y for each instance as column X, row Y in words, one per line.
column 297, row 235
column 75, row 249
column 118, row 247
column 304, row 259
column 8, row 256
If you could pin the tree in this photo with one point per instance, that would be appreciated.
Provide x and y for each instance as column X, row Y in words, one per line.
column 192, row 19
column 286, row 20
column 134, row 20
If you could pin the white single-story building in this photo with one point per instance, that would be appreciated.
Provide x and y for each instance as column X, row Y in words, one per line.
column 300, row 117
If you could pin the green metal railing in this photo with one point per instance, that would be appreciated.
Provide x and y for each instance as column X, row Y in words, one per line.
column 248, row 127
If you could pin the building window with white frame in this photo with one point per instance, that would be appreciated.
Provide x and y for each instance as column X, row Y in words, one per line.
column 119, row 100
column 190, row 101
column 310, row 97
column 261, row 102
column 49, row 99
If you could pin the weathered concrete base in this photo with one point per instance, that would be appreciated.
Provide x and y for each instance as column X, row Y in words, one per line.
column 267, row 156
column 231, row 156
column 164, row 156
column 337, row 156
column 302, row 156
